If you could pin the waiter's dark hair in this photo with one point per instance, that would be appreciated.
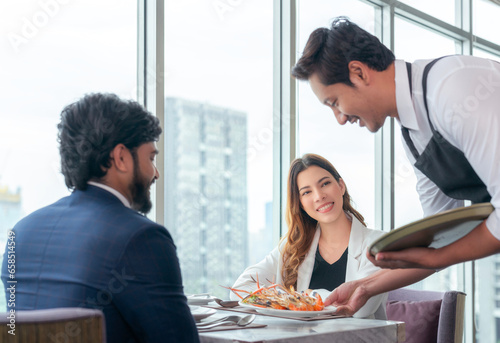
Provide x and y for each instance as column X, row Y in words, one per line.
column 329, row 51
column 90, row 129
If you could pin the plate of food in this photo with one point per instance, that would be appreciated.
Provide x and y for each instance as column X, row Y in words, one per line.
column 435, row 231
column 199, row 299
column 282, row 301
column 200, row 313
column 327, row 310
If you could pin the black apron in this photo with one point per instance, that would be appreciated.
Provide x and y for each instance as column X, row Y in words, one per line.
column 444, row 164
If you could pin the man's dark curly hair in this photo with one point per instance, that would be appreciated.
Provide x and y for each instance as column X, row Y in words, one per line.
column 90, row 129
column 329, row 51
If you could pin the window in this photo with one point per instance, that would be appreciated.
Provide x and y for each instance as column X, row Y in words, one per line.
column 416, row 40
column 54, row 56
column 349, row 148
column 486, row 14
column 443, row 10
column 219, row 134
column 487, row 283
column 412, row 42
column 219, row 116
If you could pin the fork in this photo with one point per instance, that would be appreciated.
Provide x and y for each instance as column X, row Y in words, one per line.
column 233, row 319
column 242, row 322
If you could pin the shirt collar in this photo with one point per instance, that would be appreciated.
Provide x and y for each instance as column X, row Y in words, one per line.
column 112, row 191
column 404, row 103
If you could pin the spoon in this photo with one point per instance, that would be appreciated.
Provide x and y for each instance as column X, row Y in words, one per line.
column 242, row 322
column 226, row 303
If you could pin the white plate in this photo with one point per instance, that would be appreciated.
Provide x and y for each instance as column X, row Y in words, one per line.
column 199, row 299
column 200, row 313
column 288, row 313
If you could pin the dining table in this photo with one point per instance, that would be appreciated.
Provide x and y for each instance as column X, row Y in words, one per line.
column 280, row 329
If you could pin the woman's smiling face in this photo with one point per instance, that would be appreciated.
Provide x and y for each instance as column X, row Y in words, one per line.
column 320, row 194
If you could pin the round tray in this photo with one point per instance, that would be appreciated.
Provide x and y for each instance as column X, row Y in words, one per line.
column 435, row 231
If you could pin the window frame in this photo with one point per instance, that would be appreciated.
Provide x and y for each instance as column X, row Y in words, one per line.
column 150, row 68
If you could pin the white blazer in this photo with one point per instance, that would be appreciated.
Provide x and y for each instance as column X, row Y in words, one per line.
column 358, row 266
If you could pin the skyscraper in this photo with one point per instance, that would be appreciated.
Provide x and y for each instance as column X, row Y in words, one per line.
column 10, row 214
column 206, row 192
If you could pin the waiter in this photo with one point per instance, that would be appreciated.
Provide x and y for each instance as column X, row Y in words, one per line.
column 448, row 109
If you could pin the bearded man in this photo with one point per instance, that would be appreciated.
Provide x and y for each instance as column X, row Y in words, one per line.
column 95, row 248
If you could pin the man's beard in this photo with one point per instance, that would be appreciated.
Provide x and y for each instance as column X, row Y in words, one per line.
column 139, row 188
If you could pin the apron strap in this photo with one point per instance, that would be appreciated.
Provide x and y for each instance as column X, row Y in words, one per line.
column 404, row 130
column 424, row 88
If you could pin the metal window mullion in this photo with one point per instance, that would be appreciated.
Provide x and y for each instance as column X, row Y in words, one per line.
column 428, row 21
column 463, row 9
column 466, row 8
column 384, row 138
column 159, row 91
column 467, row 270
column 141, row 51
column 284, row 112
column 470, row 331
column 150, row 83
column 485, row 45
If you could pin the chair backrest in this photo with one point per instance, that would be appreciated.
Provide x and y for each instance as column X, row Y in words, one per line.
column 439, row 314
column 69, row 325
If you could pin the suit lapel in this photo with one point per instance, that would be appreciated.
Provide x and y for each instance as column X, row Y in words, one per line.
column 355, row 249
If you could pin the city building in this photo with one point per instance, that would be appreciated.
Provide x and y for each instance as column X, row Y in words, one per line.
column 10, row 213
column 206, row 192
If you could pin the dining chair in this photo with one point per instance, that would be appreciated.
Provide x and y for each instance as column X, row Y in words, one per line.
column 69, row 325
column 429, row 316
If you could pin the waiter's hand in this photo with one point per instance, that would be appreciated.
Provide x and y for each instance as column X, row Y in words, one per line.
column 351, row 296
column 348, row 297
column 425, row 258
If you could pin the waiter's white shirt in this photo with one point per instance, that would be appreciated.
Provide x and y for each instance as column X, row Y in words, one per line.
column 463, row 96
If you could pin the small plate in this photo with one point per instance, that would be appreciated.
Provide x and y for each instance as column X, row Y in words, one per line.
column 194, row 299
column 288, row 313
column 200, row 313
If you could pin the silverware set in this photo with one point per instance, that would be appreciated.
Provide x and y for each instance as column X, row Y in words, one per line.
column 229, row 320
column 223, row 303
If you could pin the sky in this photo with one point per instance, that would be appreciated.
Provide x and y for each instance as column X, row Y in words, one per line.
column 58, row 50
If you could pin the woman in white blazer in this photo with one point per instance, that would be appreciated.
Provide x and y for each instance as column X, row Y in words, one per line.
column 325, row 232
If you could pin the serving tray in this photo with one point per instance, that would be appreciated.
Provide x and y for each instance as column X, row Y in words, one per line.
column 435, row 231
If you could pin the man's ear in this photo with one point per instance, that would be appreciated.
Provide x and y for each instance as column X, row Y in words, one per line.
column 120, row 158
column 359, row 73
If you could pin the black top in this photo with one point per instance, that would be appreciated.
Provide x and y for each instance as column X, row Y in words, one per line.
column 326, row 275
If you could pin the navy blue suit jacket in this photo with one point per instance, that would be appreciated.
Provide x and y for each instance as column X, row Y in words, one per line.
column 89, row 250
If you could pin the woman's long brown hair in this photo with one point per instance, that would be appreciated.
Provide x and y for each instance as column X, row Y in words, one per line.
column 301, row 227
